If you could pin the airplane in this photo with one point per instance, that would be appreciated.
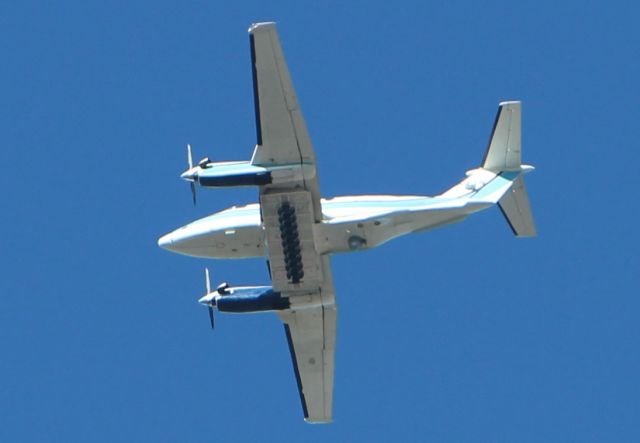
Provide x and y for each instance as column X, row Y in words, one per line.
column 297, row 231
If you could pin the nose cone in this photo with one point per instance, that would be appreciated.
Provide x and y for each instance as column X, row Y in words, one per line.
column 189, row 175
column 166, row 241
column 208, row 299
column 175, row 241
column 200, row 238
column 185, row 240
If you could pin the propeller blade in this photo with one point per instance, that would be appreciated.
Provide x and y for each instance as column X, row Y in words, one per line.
column 211, row 317
column 189, row 157
column 192, row 185
column 207, row 280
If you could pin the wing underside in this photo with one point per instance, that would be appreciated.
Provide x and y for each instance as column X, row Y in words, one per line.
column 311, row 335
column 298, row 271
column 282, row 137
column 289, row 209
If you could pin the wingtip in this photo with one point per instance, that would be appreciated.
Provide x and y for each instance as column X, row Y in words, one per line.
column 318, row 421
column 261, row 26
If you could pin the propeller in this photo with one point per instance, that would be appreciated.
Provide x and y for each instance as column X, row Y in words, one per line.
column 191, row 175
column 211, row 318
column 192, row 183
column 207, row 282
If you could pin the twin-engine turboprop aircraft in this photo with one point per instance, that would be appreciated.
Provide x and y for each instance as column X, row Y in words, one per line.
column 297, row 231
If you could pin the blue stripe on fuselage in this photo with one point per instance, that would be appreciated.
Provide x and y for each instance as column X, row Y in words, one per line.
column 501, row 180
column 253, row 210
column 381, row 204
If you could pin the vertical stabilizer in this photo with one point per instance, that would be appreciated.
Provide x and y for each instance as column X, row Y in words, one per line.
column 504, row 151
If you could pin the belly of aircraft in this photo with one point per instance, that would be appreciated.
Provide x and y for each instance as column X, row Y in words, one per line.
column 224, row 236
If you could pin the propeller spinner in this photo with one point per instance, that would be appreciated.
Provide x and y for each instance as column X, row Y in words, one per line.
column 191, row 174
column 209, row 298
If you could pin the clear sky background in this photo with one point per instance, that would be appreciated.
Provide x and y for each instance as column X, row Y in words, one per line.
column 462, row 334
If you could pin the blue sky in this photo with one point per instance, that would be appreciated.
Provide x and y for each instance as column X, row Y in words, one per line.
column 460, row 334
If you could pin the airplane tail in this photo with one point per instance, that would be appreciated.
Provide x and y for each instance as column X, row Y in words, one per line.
column 504, row 157
column 500, row 179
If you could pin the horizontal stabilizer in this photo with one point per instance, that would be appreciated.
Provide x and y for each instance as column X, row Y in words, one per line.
column 516, row 209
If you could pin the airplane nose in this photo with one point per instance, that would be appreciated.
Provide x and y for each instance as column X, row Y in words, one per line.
column 185, row 240
column 165, row 241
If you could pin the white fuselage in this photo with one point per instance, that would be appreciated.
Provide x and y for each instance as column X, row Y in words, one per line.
column 349, row 223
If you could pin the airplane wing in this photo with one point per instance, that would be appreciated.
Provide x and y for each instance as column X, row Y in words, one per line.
column 289, row 209
column 304, row 276
column 311, row 335
column 282, row 137
column 283, row 140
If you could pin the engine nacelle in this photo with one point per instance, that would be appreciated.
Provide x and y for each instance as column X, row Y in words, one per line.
column 236, row 174
column 227, row 174
column 251, row 299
